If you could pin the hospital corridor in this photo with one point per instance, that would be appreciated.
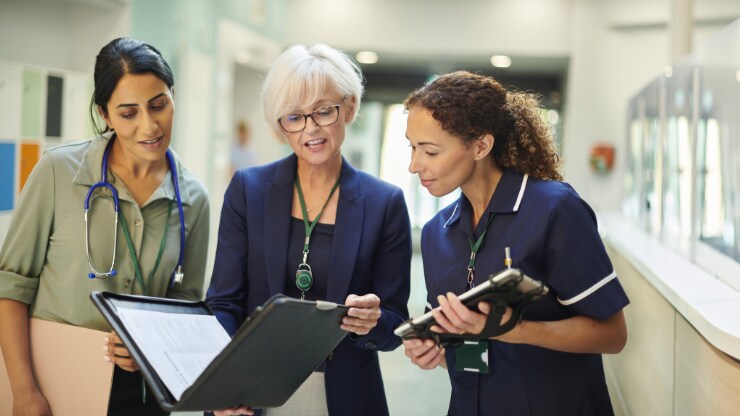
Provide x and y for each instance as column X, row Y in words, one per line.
column 356, row 207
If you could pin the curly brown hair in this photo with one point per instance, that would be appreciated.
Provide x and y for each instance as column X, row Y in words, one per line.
column 469, row 106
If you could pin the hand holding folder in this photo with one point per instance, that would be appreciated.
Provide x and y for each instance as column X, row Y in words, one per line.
column 190, row 363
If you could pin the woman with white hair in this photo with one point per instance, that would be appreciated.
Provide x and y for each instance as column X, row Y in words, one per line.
column 313, row 227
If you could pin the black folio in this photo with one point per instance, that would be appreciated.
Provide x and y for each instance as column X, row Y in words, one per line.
column 268, row 358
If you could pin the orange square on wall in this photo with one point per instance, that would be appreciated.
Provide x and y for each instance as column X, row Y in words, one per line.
column 30, row 155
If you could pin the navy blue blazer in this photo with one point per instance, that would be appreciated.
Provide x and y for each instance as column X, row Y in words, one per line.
column 371, row 253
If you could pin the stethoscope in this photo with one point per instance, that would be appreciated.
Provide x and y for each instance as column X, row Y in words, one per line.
column 177, row 274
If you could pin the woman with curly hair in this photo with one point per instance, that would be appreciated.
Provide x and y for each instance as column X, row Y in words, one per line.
column 467, row 131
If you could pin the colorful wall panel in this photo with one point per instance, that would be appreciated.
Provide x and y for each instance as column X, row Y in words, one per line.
column 7, row 176
column 32, row 109
column 30, row 154
column 11, row 81
column 54, row 99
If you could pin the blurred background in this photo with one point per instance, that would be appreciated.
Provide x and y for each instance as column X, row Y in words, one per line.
column 643, row 97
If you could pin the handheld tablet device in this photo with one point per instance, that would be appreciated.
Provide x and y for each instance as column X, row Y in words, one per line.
column 510, row 286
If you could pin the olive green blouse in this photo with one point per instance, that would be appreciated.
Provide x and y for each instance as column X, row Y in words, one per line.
column 43, row 261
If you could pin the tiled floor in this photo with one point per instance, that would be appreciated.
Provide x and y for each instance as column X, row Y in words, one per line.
column 410, row 391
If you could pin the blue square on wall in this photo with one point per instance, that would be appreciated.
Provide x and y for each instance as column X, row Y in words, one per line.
column 7, row 176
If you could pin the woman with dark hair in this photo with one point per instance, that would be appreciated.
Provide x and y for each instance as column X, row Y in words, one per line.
column 127, row 179
column 467, row 131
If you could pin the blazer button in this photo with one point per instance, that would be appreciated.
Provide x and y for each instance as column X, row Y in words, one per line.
column 370, row 345
column 330, row 356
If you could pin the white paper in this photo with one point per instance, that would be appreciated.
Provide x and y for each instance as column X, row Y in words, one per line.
column 178, row 346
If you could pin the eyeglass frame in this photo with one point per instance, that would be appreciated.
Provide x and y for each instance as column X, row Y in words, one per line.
column 306, row 116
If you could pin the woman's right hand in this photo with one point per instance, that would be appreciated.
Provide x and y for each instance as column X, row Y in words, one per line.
column 424, row 353
column 32, row 403
column 234, row 411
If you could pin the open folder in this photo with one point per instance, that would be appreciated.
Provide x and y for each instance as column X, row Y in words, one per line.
column 265, row 362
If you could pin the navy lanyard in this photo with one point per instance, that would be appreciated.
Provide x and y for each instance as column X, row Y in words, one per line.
column 304, row 276
column 474, row 247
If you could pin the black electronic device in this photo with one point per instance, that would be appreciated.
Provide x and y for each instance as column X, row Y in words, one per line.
column 510, row 287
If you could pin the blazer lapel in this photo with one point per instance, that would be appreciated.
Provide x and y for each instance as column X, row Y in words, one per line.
column 347, row 234
column 278, row 204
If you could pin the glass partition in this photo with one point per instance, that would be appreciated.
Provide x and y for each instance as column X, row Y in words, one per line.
column 677, row 161
column 683, row 178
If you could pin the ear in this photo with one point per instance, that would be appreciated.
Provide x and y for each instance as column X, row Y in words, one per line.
column 483, row 146
column 102, row 115
column 172, row 91
column 350, row 113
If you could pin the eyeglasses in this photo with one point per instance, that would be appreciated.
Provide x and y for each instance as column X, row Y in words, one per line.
column 324, row 116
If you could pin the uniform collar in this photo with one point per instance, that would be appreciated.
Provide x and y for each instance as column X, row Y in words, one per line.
column 506, row 198
column 90, row 172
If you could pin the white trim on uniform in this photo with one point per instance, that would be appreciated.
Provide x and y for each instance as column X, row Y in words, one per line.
column 447, row 223
column 521, row 192
column 588, row 291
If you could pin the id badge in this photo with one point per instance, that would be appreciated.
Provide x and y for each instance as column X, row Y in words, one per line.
column 472, row 357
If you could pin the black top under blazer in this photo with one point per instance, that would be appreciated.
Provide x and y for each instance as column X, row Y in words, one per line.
column 371, row 253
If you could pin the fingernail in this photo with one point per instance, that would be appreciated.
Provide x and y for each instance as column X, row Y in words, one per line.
column 105, row 347
column 106, row 358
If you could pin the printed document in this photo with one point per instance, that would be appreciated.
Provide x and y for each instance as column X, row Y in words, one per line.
column 178, row 346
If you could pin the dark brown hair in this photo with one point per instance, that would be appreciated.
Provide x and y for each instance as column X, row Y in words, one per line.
column 119, row 57
column 469, row 106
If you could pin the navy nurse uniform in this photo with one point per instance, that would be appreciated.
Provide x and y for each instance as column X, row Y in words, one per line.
column 553, row 238
column 370, row 253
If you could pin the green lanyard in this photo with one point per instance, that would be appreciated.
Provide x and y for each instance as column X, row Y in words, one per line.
column 132, row 252
column 304, row 276
column 474, row 251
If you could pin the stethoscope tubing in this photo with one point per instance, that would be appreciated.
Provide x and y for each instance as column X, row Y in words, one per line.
column 177, row 274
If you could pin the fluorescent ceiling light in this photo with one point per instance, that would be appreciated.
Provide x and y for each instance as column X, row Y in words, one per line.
column 366, row 57
column 501, row 61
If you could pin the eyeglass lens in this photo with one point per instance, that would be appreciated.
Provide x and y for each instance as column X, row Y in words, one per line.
column 325, row 116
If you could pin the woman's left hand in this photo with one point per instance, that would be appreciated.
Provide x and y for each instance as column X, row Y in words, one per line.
column 455, row 318
column 118, row 354
column 363, row 313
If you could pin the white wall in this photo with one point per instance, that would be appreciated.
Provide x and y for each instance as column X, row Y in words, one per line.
column 618, row 47
column 61, row 34
column 615, row 48
column 525, row 27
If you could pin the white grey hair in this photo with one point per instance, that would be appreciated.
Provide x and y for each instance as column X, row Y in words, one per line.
column 302, row 74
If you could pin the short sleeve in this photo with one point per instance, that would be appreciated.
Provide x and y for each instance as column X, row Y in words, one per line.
column 578, row 267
